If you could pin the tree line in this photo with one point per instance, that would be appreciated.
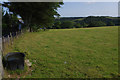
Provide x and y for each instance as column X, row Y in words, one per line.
column 80, row 22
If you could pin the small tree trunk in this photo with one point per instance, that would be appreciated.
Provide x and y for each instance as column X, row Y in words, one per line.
column 30, row 18
column 30, row 29
column 28, row 22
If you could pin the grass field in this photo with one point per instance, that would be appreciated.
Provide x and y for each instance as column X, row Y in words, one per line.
column 70, row 53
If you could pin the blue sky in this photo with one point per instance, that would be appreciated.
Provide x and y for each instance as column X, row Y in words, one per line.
column 83, row 9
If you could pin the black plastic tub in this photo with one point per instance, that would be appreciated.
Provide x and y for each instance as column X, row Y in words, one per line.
column 14, row 60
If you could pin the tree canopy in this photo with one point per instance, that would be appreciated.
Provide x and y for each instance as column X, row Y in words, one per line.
column 39, row 13
column 67, row 24
column 9, row 23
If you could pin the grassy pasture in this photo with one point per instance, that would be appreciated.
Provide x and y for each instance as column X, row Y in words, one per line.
column 70, row 53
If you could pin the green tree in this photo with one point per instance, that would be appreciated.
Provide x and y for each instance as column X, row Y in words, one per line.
column 77, row 25
column 9, row 23
column 67, row 24
column 96, row 24
column 110, row 24
column 38, row 13
column 57, row 25
column 83, row 24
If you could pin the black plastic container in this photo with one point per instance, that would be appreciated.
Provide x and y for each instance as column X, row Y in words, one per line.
column 14, row 60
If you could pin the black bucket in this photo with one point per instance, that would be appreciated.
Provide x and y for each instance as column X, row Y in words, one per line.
column 14, row 60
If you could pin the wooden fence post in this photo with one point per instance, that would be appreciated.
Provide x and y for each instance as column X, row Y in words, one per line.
column 3, row 44
column 16, row 35
column 21, row 32
column 8, row 40
column 11, row 38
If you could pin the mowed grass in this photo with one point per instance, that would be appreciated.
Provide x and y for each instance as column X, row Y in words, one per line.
column 71, row 53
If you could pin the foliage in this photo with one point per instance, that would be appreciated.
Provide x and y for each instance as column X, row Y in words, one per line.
column 84, row 24
column 35, row 27
column 40, row 13
column 96, row 24
column 57, row 25
column 67, row 24
column 110, row 24
column 90, row 21
column 9, row 23
column 77, row 25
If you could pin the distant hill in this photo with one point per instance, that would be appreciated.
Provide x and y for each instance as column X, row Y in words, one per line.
column 69, row 18
column 84, row 22
column 105, row 19
column 81, row 18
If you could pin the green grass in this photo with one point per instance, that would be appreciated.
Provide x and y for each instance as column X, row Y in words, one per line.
column 71, row 53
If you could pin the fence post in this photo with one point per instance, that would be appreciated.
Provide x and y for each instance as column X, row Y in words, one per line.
column 11, row 38
column 3, row 44
column 16, row 35
column 21, row 31
column 8, row 40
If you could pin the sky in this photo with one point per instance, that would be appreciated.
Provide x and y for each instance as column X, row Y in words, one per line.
column 88, row 8
column 84, row 9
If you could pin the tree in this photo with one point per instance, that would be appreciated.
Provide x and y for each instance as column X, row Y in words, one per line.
column 57, row 25
column 9, row 23
column 78, row 25
column 96, row 24
column 38, row 13
column 83, row 24
column 67, row 24
column 110, row 23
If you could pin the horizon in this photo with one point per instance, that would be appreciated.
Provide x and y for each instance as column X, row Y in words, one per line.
column 88, row 16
